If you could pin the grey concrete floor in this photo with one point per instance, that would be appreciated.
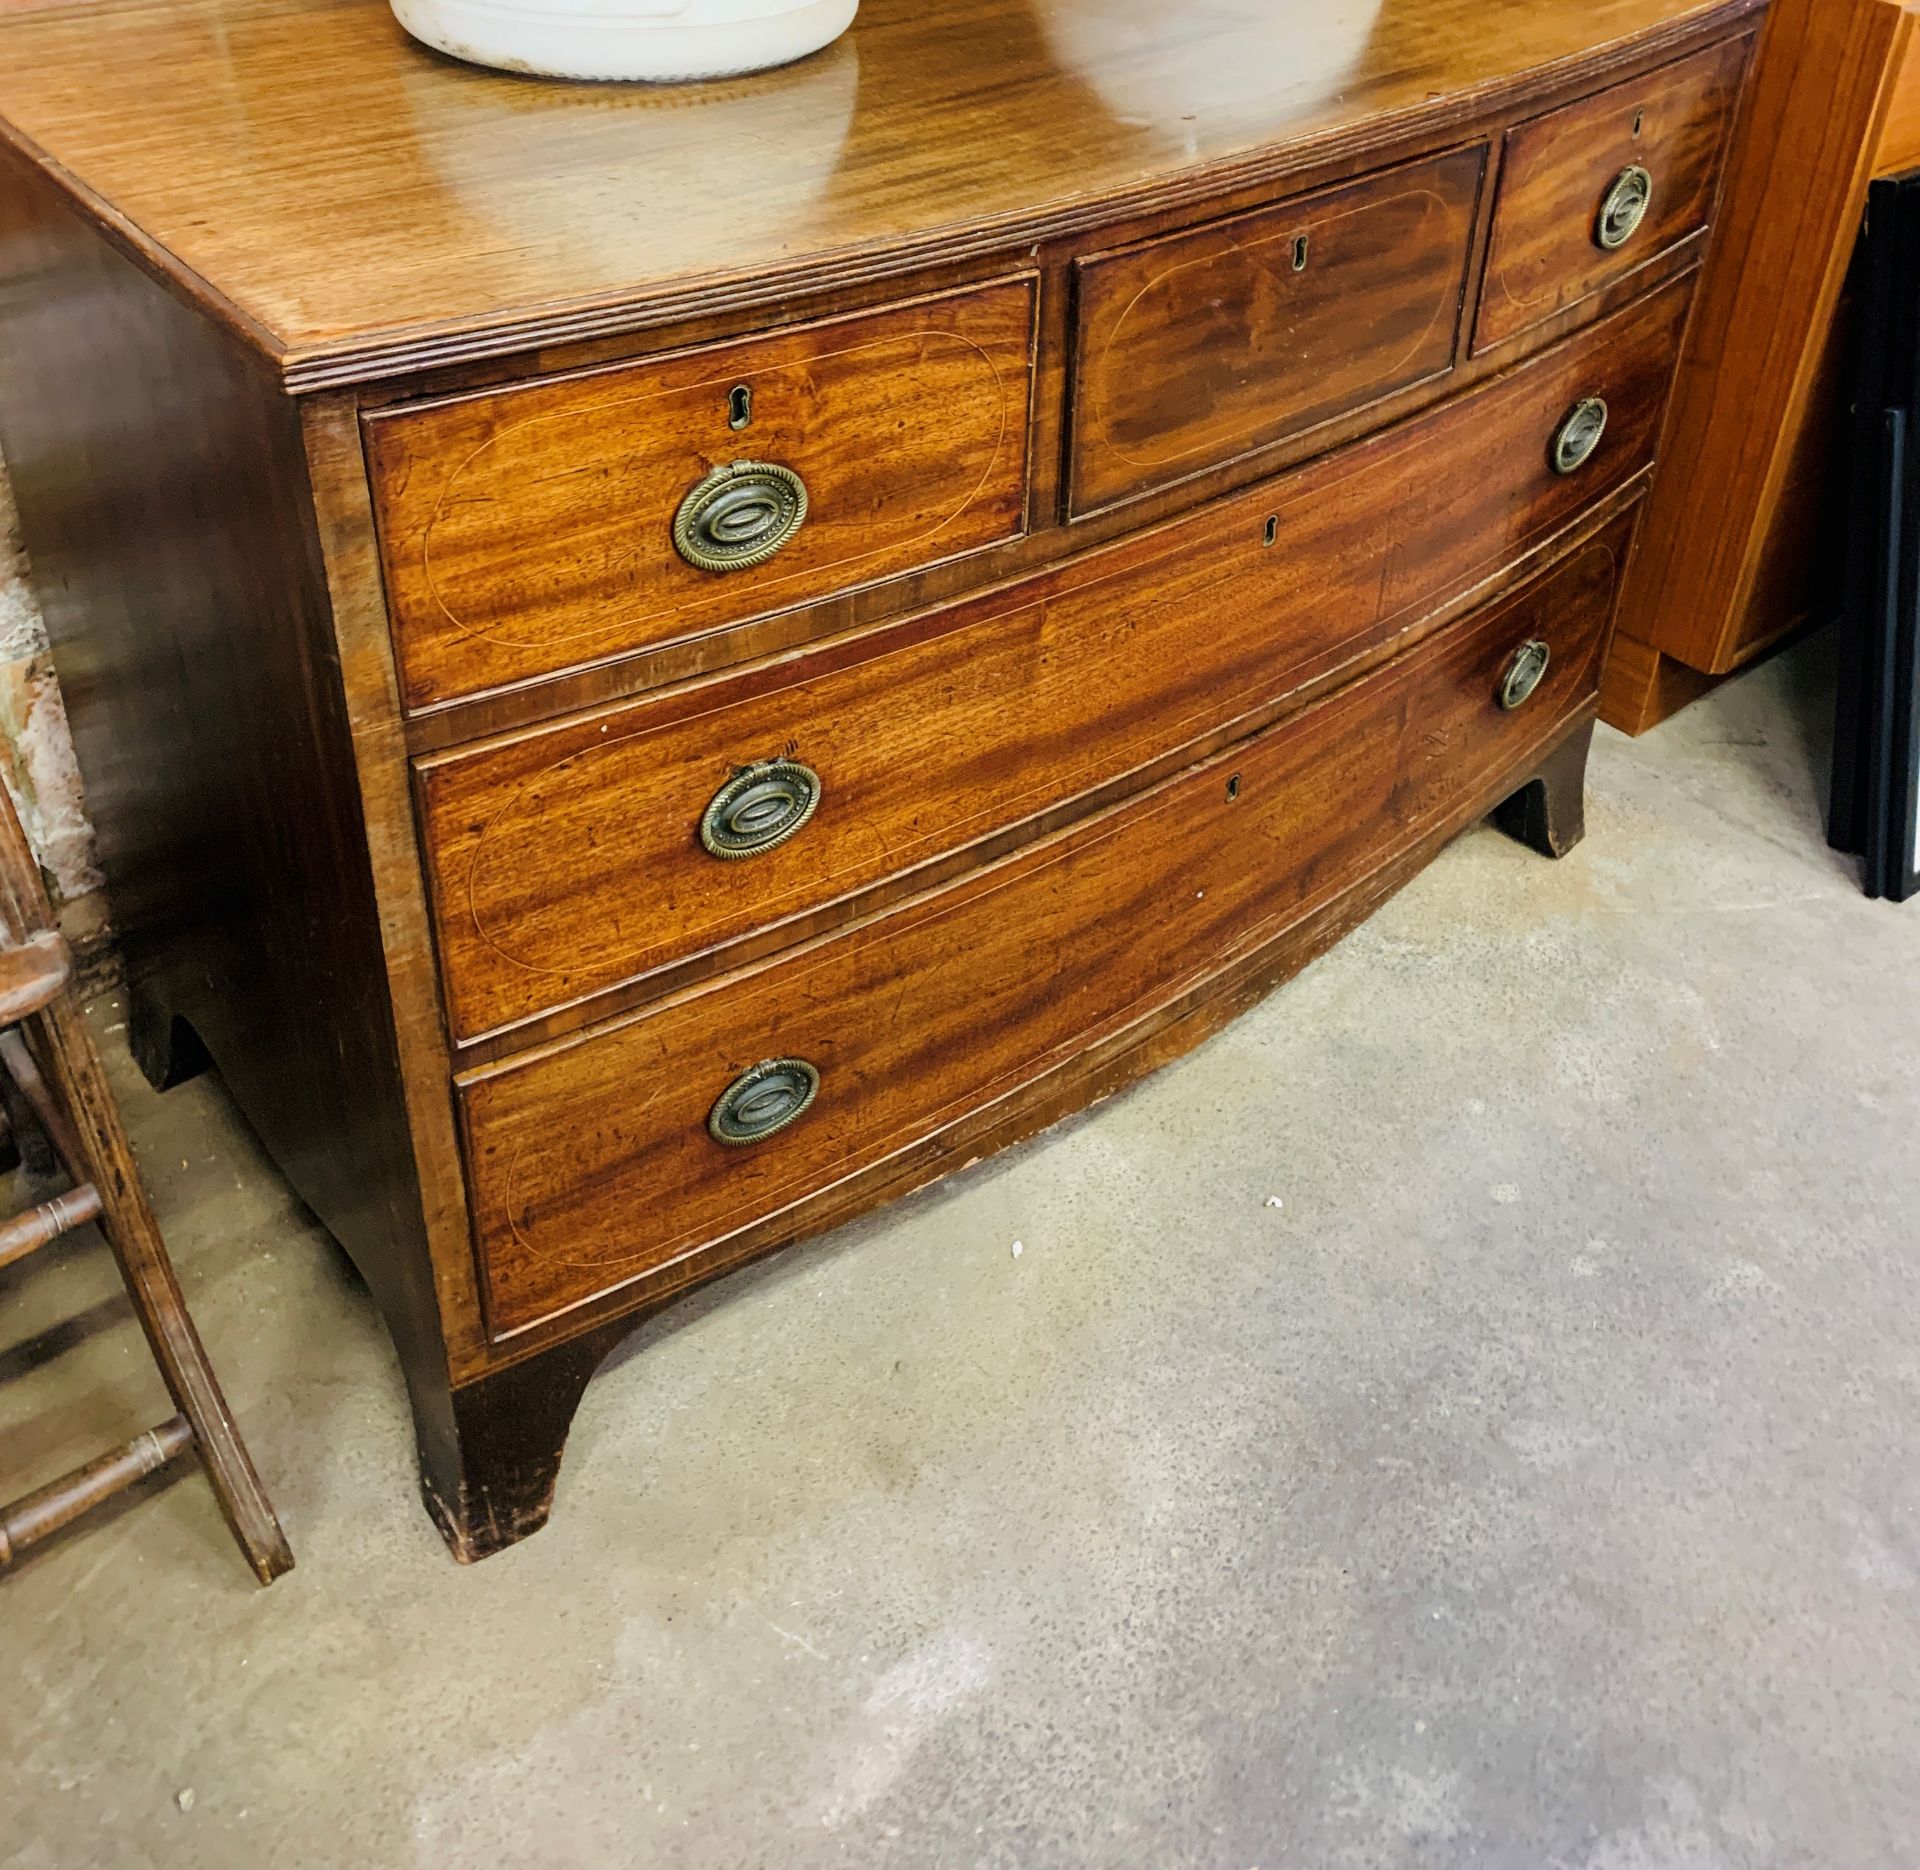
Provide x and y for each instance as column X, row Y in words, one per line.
column 1537, row 1486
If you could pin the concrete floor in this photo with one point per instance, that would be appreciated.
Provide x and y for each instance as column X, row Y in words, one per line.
column 1537, row 1487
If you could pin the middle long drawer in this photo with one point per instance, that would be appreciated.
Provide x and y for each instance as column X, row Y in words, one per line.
column 569, row 860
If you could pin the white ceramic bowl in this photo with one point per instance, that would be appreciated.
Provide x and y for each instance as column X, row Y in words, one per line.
column 661, row 41
column 1206, row 75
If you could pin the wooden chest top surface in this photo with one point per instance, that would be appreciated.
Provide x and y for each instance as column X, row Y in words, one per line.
column 354, row 204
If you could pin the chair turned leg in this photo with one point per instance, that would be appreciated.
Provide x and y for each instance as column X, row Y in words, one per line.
column 490, row 1450
column 87, row 1132
column 167, row 1049
column 1549, row 813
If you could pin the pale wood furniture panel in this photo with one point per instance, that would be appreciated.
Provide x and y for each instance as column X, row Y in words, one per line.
column 1734, row 556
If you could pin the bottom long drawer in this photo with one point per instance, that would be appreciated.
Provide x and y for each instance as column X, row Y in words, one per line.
column 605, row 1158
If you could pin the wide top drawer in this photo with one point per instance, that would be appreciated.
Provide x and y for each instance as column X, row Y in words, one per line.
column 1592, row 192
column 1201, row 348
column 541, row 528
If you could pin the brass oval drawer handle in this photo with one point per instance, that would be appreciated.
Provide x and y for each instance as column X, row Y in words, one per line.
column 739, row 516
column 760, row 808
column 1622, row 208
column 1523, row 674
column 1579, row 434
column 763, row 1101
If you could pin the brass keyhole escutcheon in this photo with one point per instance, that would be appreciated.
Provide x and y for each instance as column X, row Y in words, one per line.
column 1579, row 434
column 759, row 809
column 763, row 1101
column 1524, row 673
column 1623, row 207
column 739, row 516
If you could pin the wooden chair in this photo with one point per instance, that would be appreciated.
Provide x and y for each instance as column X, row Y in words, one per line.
column 54, row 1073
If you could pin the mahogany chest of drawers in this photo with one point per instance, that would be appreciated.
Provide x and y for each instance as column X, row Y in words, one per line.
column 658, row 668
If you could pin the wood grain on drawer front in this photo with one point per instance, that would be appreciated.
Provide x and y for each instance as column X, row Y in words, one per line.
column 591, row 1164
column 1544, row 254
column 530, row 530
column 565, row 861
column 1200, row 348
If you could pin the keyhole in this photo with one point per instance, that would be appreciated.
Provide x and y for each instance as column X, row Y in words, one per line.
column 740, row 407
column 1300, row 253
column 1233, row 787
column 1273, row 529
column 1639, row 117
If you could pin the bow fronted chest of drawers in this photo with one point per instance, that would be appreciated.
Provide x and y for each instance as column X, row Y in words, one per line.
column 658, row 668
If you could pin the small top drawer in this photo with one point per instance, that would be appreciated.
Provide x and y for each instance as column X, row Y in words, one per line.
column 1593, row 191
column 555, row 524
column 1201, row 348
